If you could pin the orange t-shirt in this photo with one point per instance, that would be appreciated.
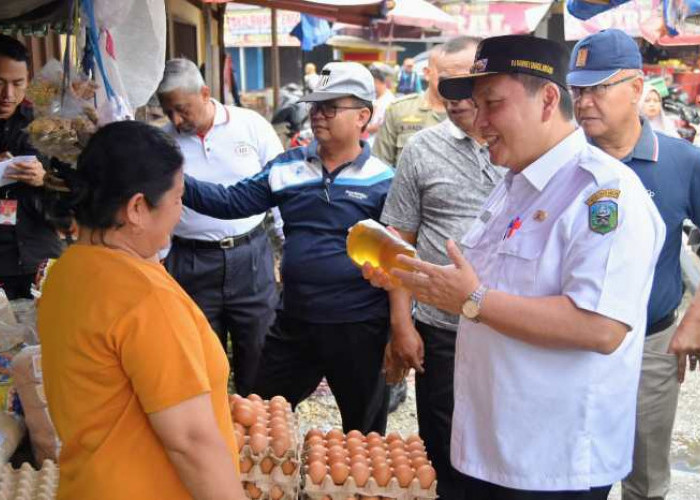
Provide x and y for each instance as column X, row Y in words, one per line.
column 121, row 339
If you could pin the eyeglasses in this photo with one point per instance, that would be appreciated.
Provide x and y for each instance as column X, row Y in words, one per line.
column 599, row 90
column 329, row 110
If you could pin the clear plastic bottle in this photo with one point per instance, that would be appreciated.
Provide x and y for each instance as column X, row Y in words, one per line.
column 369, row 241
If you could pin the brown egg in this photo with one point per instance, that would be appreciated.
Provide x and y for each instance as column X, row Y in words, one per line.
column 257, row 428
column 288, row 468
column 258, row 443
column 235, row 398
column 276, row 493
column 396, row 444
column 373, row 435
column 377, row 452
column 381, row 474
column 378, row 462
column 418, row 462
column 315, row 456
column 369, row 498
column 278, row 421
column 240, row 441
column 415, row 446
column 426, row 476
column 280, row 446
column 246, row 464
column 279, row 400
column 243, row 413
column 404, row 474
column 313, row 432
column 360, row 472
column 336, row 453
column 254, row 397
column 310, row 441
column 397, row 452
column 353, row 443
column 279, row 433
column 374, row 441
column 394, row 436
column 355, row 434
column 339, row 472
column 414, row 438
column 335, row 442
column 358, row 459
column 266, row 465
column 359, row 452
column 335, row 434
column 400, row 460
column 316, row 471
column 416, row 454
column 253, row 491
column 239, row 428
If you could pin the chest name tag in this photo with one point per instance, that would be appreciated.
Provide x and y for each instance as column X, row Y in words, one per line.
column 603, row 213
column 242, row 149
column 8, row 212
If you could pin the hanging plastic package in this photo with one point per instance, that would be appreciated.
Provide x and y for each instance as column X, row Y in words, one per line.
column 127, row 28
column 586, row 9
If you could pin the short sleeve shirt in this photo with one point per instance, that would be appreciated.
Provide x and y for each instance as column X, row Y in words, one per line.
column 120, row 339
column 441, row 182
column 576, row 223
column 239, row 145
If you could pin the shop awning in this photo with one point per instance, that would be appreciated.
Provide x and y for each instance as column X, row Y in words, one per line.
column 484, row 19
column 35, row 17
column 420, row 14
column 360, row 12
column 357, row 43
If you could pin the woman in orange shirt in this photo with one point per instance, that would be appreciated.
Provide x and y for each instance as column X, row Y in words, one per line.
column 135, row 378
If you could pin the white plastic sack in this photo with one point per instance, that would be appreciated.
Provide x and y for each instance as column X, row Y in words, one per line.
column 138, row 31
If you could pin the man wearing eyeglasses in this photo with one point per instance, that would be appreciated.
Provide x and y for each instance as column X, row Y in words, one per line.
column 332, row 322
column 606, row 82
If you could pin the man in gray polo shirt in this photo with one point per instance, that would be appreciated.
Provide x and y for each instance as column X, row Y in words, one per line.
column 443, row 177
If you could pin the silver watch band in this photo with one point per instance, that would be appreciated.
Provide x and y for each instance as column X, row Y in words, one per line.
column 478, row 295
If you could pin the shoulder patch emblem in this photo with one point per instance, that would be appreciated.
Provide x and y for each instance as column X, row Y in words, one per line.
column 603, row 193
column 602, row 216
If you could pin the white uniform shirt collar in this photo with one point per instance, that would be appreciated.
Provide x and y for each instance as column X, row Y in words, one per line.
column 455, row 131
column 543, row 169
column 221, row 115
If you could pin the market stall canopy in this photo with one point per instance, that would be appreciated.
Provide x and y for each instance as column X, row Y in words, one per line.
column 360, row 12
column 421, row 14
column 483, row 19
column 35, row 17
column 639, row 19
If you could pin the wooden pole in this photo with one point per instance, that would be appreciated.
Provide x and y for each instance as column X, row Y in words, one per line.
column 275, row 60
column 221, row 26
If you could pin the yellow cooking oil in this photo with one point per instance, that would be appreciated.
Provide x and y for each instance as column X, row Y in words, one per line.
column 369, row 241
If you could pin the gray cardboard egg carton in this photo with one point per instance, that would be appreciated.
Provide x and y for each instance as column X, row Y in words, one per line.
column 328, row 488
column 29, row 484
column 288, row 482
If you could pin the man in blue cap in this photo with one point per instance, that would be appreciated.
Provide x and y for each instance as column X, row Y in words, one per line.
column 606, row 80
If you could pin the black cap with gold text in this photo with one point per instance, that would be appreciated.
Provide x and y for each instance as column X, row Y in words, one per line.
column 510, row 54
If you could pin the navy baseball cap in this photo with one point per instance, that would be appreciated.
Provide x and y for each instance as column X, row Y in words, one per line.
column 510, row 54
column 599, row 57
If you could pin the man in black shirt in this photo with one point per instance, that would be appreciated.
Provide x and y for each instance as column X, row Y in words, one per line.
column 26, row 238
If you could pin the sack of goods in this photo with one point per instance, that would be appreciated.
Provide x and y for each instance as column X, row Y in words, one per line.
column 26, row 368
column 354, row 466
column 266, row 433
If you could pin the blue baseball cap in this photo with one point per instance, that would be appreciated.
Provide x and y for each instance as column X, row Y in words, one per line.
column 598, row 57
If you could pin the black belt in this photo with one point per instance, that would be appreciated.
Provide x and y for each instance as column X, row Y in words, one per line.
column 663, row 323
column 225, row 244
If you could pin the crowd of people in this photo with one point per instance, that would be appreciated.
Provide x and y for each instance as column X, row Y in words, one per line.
column 540, row 314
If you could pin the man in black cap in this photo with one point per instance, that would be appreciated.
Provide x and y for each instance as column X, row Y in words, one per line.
column 553, row 314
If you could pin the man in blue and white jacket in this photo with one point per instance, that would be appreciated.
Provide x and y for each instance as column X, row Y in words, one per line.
column 332, row 323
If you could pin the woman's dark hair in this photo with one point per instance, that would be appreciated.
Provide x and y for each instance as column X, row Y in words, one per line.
column 119, row 161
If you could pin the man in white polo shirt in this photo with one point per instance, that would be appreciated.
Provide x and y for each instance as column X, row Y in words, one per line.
column 225, row 265
column 552, row 283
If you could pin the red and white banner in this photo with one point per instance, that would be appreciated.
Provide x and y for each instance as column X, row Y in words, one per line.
column 485, row 19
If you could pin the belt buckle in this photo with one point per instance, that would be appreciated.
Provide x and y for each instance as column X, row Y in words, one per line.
column 227, row 243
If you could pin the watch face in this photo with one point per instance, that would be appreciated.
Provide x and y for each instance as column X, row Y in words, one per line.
column 470, row 310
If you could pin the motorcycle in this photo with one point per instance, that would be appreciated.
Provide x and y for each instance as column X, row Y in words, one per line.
column 294, row 116
column 677, row 102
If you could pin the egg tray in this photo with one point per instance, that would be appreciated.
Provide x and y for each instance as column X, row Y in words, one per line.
column 275, row 476
column 289, row 492
column 328, row 488
column 291, row 454
column 27, row 483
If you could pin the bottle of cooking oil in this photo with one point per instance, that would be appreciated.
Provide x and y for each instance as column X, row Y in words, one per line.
column 369, row 241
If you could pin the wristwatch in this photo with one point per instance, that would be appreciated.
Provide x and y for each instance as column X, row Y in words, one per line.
column 472, row 307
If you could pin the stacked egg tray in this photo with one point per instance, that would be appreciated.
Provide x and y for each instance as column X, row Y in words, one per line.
column 268, row 447
column 354, row 466
column 27, row 483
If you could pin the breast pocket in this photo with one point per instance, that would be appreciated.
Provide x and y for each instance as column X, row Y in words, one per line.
column 519, row 261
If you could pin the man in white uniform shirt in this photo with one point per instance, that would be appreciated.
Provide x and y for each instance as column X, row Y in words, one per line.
column 225, row 265
column 552, row 283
